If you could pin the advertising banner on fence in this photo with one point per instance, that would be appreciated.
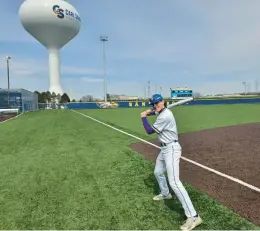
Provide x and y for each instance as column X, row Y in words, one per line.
column 96, row 105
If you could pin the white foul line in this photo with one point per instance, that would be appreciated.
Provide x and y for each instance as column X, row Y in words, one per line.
column 188, row 160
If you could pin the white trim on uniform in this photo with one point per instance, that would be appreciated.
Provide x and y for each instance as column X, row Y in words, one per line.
column 155, row 129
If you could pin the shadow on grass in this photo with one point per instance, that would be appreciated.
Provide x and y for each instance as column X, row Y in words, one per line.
column 172, row 204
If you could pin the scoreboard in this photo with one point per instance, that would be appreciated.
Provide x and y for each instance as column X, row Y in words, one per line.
column 181, row 93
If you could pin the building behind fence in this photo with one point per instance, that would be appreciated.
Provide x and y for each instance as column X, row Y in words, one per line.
column 52, row 105
column 18, row 99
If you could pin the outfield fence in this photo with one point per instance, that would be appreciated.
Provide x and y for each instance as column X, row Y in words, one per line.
column 141, row 104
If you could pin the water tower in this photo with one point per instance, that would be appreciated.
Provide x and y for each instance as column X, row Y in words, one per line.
column 53, row 23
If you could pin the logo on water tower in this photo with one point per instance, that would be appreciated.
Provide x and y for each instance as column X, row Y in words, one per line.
column 58, row 11
column 61, row 13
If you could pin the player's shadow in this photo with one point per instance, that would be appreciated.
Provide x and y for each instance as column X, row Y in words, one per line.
column 173, row 204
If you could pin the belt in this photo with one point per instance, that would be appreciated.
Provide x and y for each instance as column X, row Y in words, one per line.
column 164, row 144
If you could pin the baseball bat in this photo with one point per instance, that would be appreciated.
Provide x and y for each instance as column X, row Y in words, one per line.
column 180, row 102
column 177, row 103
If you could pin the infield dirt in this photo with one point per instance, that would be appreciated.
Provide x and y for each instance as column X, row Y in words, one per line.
column 233, row 150
column 6, row 117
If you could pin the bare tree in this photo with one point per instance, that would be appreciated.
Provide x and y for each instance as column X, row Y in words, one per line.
column 87, row 98
column 196, row 94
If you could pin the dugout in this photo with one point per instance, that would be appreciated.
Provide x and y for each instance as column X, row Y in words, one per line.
column 20, row 99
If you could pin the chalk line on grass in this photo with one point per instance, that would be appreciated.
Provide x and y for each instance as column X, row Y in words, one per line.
column 184, row 158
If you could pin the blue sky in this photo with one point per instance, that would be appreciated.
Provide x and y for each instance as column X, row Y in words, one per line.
column 210, row 46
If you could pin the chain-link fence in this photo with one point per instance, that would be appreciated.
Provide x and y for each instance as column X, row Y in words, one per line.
column 20, row 99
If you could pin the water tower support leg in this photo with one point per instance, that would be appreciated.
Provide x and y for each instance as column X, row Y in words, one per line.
column 54, row 66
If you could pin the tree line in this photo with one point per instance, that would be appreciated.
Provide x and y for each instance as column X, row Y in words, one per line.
column 46, row 96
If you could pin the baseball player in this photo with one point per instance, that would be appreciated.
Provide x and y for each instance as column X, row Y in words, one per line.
column 169, row 158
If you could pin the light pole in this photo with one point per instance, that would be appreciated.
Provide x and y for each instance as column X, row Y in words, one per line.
column 7, row 65
column 104, row 39
column 244, row 83
column 8, row 78
column 149, row 90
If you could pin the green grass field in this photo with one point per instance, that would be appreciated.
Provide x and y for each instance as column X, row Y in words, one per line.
column 191, row 118
column 60, row 170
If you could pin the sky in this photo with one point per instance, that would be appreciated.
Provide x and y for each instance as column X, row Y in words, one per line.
column 209, row 46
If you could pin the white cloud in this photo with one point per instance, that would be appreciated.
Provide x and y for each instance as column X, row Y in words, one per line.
column 10, row 26
column 180, row 41
column 23, row 66
column 80, row 71
column 91, row 80
column 223, row 87
column 33, row 75
column 215, row 37
column 20, row 65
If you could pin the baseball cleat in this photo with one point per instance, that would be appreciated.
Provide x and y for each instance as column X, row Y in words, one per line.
column 161, row 197
column 191, row 223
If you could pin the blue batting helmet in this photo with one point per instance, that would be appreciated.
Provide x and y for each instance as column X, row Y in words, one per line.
column 156, row 99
